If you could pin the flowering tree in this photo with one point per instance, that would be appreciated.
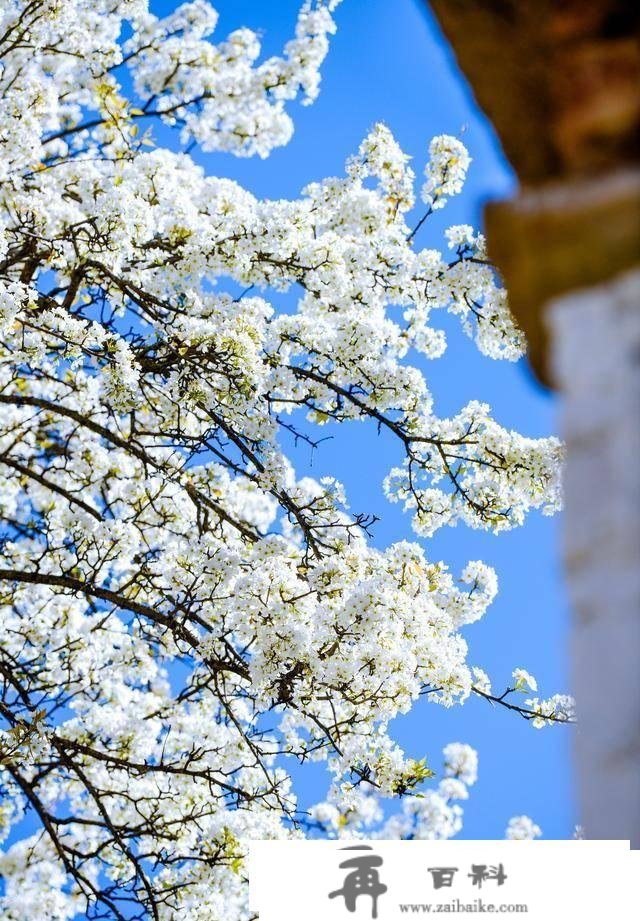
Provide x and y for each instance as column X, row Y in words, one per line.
column 179, row 611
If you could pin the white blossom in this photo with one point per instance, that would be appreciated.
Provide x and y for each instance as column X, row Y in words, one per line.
column 559, row 708
column 522, row 828
column 523, row 680
column 183, row 617
column 446, row 170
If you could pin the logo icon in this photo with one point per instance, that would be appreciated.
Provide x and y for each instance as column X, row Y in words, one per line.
column 363, row 879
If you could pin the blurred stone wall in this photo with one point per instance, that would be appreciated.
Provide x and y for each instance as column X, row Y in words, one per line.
column 595, row 359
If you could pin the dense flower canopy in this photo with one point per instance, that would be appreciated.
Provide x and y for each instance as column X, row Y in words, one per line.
column 179, row 610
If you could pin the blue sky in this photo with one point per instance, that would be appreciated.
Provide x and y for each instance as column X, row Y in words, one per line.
column 389, row 62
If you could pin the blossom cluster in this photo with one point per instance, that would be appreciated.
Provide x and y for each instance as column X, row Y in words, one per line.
column 431, row 814
column 522, row 828
column 182, row 615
